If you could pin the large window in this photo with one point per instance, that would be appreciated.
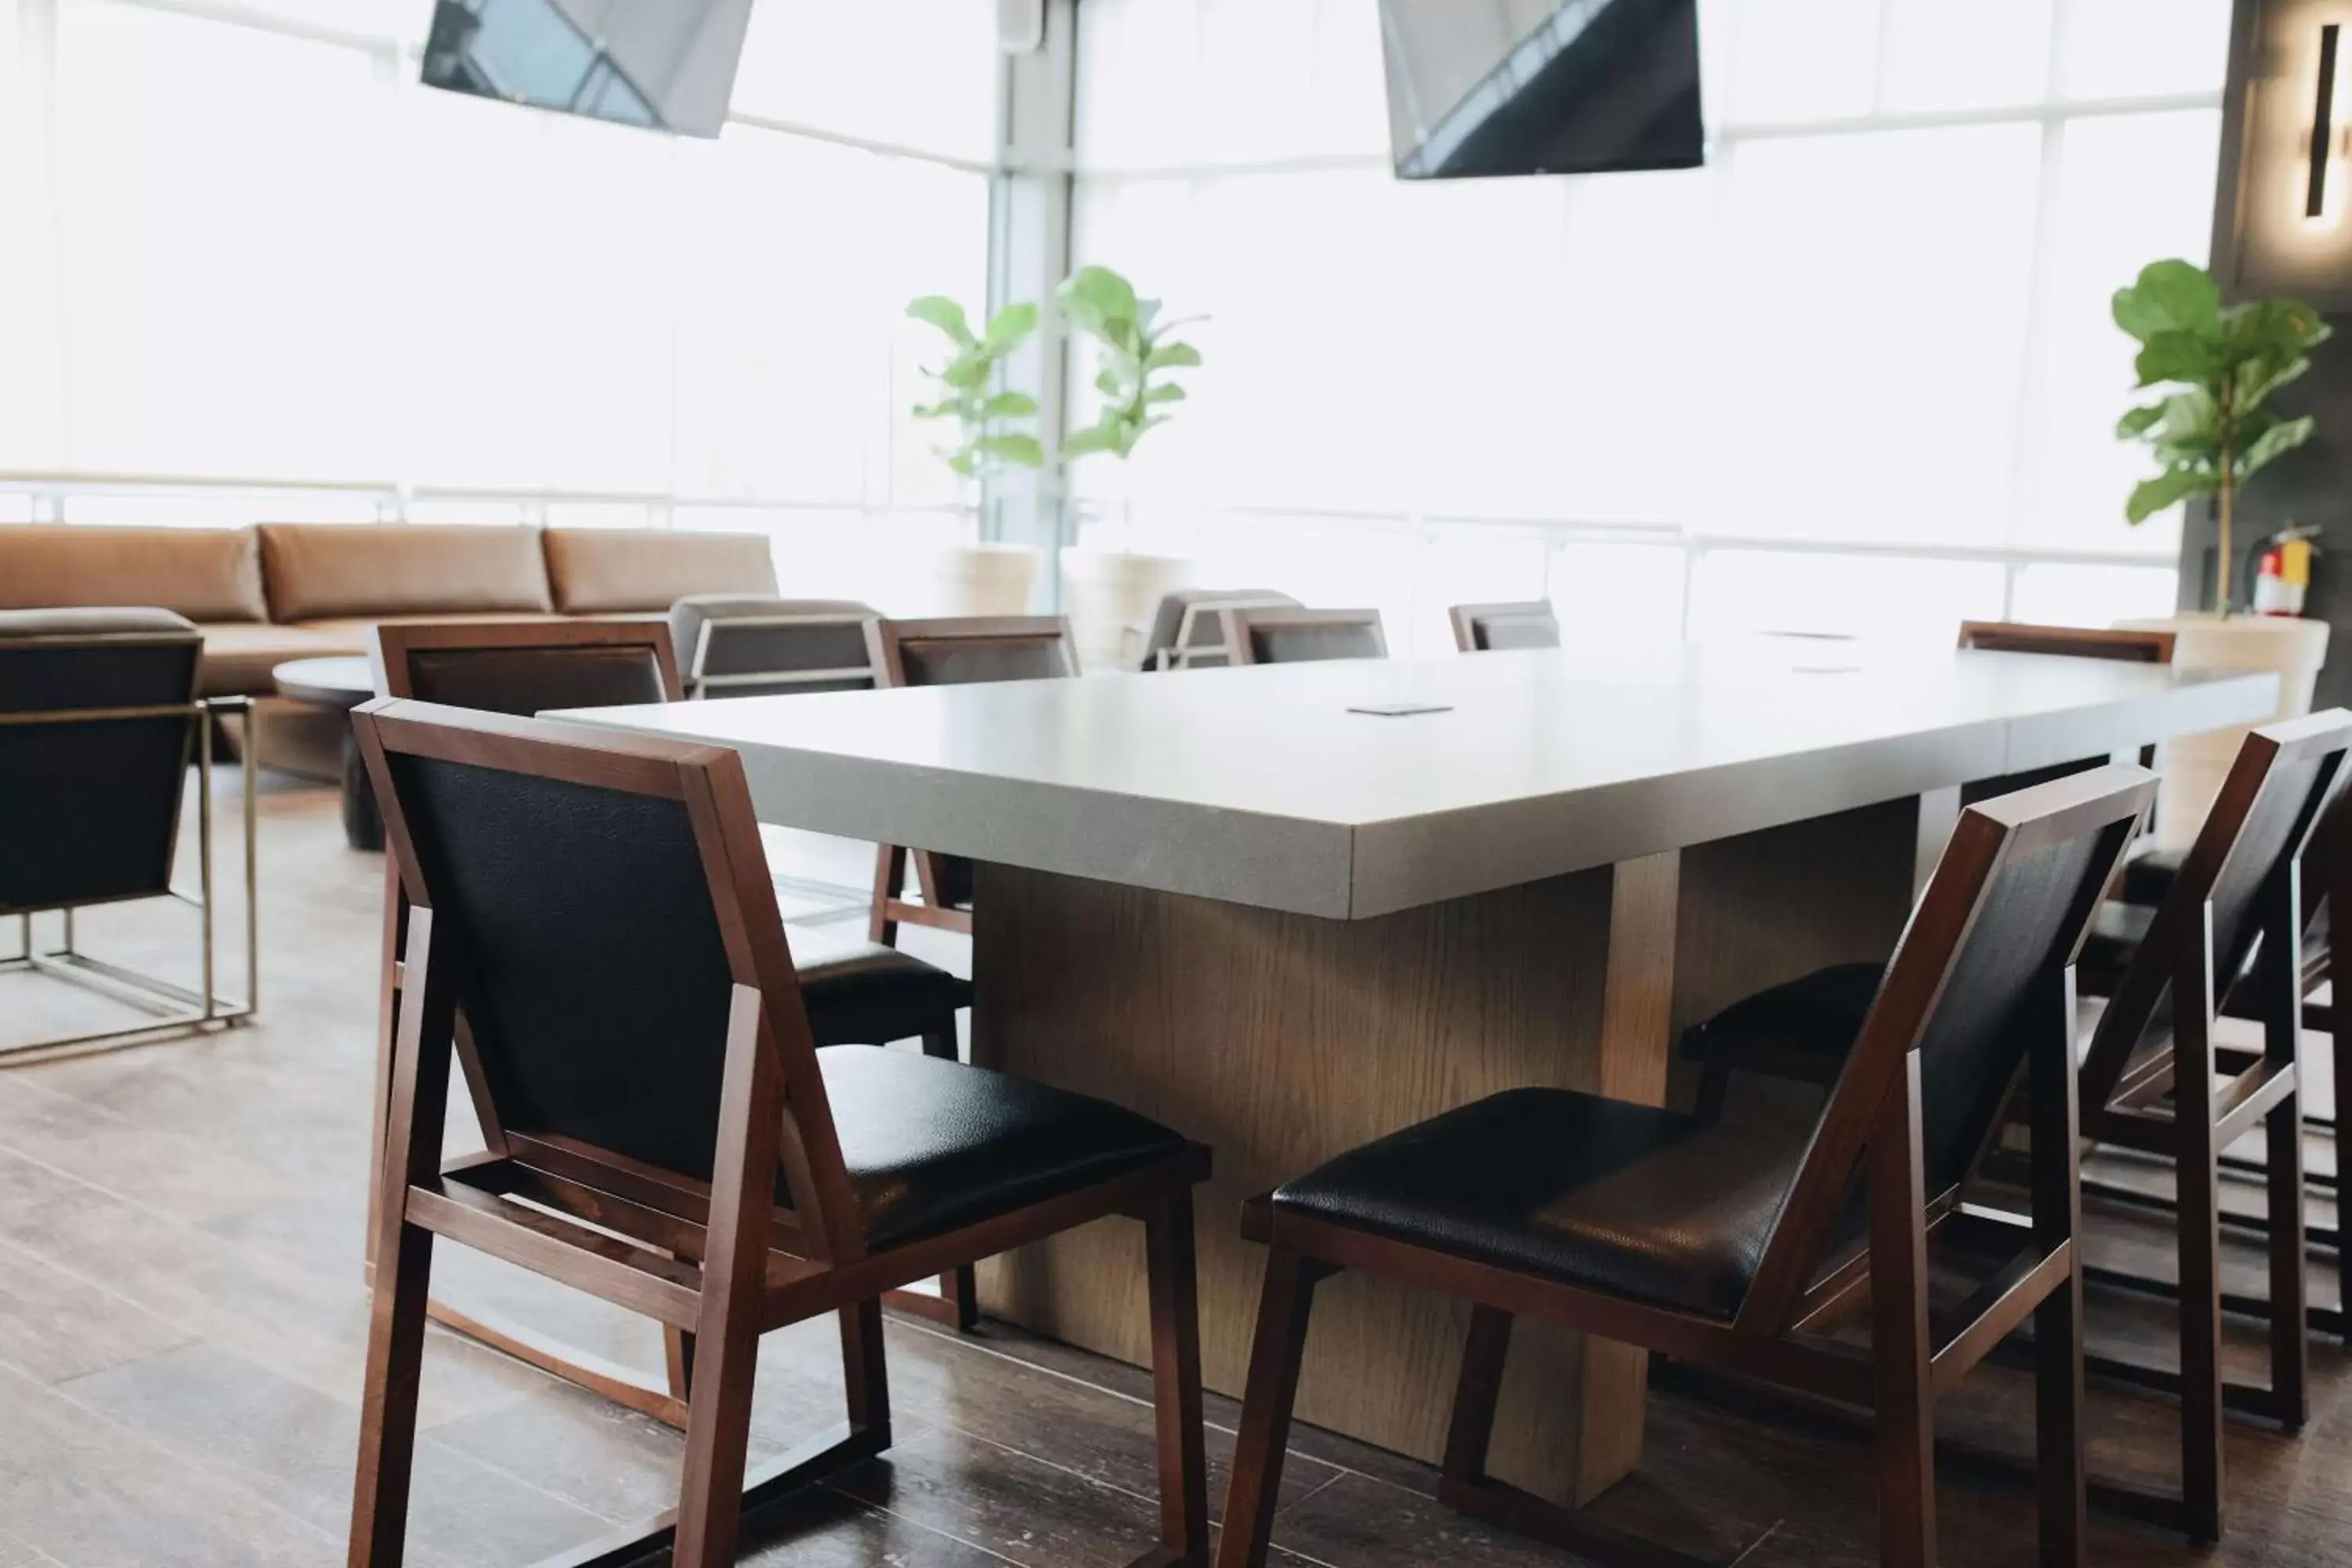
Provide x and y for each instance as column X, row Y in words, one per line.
column 1877, row 320
column 256, row 248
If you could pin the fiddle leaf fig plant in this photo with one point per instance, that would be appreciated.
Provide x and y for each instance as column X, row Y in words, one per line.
column 1137, row 352
column 2211, row 430
column 980, row 417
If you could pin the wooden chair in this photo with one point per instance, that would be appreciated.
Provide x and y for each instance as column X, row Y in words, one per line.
column 1745, row 1248
column 858, row 993
column 753, row 646
column 2071, row 642
column 590, row 929
column 2154, row 1079
column 959, row 651
column 1300, row 636
column 1493, row 628
column 1186, row 632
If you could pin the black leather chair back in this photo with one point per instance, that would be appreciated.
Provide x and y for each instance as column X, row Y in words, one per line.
column 526, row 681
column 1306, row 636
column 739, row 639
column 89, row 808
column 590, row 965
column 972, row 661
column 1497, row 634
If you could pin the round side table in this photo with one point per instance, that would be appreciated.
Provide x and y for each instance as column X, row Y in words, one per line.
column 341, row 684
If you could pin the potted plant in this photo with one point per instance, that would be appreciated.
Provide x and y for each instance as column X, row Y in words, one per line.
column 2211, row 430
column 982, row 425
column 1112, row 592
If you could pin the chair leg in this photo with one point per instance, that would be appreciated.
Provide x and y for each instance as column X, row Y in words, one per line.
column 1901, row 1344
column 2199, row 1179
column 395, row 1362
column 2062, row 1464
column 2340, row 1035
column 1176, row 1382
column 2290, row 1309
column 677, row 1364
column 1475, row 1395
column 865, row 1372
column 1282, row 1315
column 958, row 1287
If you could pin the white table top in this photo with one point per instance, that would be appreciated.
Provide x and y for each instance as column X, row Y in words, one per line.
column 1258, row 786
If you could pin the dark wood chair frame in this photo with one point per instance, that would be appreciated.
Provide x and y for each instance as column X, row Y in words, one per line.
column 701, row 687
column 2169, row 1103
column 1805, row 1287
column 1469, row 620
column 1238, row 621
column 956, row 1304
column 886, row 641
column 2071, row 642
column 719, row 1264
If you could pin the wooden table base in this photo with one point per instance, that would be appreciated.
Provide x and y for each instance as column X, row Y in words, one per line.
column 1281, row 1040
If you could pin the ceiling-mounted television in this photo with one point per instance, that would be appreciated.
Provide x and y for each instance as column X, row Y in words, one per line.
column 1541, row 87
column 666, row 64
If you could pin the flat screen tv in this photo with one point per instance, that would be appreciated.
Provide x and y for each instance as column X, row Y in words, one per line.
column 666, row 64
column 1541, row 87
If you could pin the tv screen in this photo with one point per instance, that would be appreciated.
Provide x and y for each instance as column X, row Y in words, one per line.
column 1541, row 87
column 666, row 64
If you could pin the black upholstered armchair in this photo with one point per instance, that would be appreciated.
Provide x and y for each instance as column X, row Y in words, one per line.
column 99, row 723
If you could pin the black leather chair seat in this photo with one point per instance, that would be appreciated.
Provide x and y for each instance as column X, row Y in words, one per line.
column 2117, row 931
column 1650, row 1204
column 2148, row 876
column 860, row 993
column 1802, row 1030
column 933, row 1145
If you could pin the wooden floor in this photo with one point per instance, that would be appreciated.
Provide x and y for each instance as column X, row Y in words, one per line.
column 182, row 1316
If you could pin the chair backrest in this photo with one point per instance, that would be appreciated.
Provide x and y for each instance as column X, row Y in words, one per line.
column 1301, row 637
column 1495, row 629
column 970, row 650
column 744, row 646
column 1982, row 977
column 2074, row 642
column 1187, row 632
column 599, row 904
column 98, row 721
column 528, row 667
column 2279, row 790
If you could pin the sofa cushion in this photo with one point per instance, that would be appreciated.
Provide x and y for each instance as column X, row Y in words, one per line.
column 203, row 574
column 598, row 571
column 339, row 570
column 238, row 656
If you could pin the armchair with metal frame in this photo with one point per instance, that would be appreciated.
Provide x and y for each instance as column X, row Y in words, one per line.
column 955, row 651
column 593, row 939
column 1285, row 635
column 2155, row 1082
column 743, row 646
column 1749, row 1248
column 100, row 723
column 1187, row 633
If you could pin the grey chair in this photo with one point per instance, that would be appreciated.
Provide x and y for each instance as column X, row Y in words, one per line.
column 1497, row 628
column 1187, row 633
column 737, row 645
column 1302, row 637
column 99, row 723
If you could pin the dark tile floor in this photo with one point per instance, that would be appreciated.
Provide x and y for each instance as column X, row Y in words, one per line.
column 181, row 1319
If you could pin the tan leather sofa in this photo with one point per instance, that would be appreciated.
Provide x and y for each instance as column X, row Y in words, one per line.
column 282, row 591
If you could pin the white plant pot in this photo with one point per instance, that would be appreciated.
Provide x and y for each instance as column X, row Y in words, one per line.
column 2194, row 765
column 1110, row 596
column 982, row 580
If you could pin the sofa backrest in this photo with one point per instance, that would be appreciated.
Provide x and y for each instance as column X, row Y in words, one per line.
column 209, row 575
column 335, row 571
column 632, row 571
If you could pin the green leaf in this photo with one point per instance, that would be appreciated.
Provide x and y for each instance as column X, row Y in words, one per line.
column 1170, row 393
column 1101, row 437
column 943, row 314
column 2152, row 495
column 969, row 370
column 1112, row 382
column 2177, row 356
column 1109, row 296
column 1172, row 356
column 1014, row 448
column 2169, row 296
column 2138, row 421
column 2279, row 439
column 1009, row 326
column 939, row 410
column 1008, row 406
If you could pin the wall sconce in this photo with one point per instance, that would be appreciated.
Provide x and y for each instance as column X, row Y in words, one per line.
column 2322, row 205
